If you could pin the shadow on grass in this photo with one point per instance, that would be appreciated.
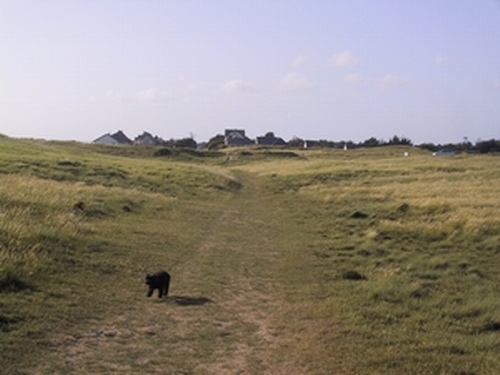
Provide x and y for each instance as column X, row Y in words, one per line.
column 190, row 301
column 11, row 283
column 7, row 322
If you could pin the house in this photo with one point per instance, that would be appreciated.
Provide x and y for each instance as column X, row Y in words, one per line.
column 201, row 145
column 122, row 138
column 236, row 137
column 146, row 139
column 106, row 139
column 186, row 143
column 119, row 138
column 310, row 144
column 270, row 140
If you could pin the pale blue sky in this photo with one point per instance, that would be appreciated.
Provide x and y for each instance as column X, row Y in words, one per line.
column 428, row 70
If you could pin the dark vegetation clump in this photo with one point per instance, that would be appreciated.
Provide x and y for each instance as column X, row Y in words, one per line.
column 164, row 152
column 6, row 322
column 186, row 152
column 233, row 185
column 353, row 275
column 423, row 291
column 404, row 208
column 359, row 215
column 490, row 326
column 97, row 209
column 9, row 282
column 191, row 301
column 282, row 154
column 230, row 186
column 68, row 163
column 79, row 206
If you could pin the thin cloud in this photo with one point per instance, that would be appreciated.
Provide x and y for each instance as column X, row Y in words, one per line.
column 149, row 95
column 389, row 81
column 343, row 59
column 113, row 95
column 300, row 61
column 441, row 60
column 496, row 84
column 294, row 82
column 152, row 95
column 356, row 78
column 238, row 85
column 394, row 81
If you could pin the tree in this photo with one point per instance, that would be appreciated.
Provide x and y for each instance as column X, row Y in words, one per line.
column 371, row 142
column 488, row 146
column 186, row 143
column 399, row 141
column 429, row 146
column 296, row 142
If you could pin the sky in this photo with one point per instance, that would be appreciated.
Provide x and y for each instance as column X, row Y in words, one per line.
column 427, row 70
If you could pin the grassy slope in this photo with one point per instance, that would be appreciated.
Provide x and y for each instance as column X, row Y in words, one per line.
column 428, row 247
column 262, row 251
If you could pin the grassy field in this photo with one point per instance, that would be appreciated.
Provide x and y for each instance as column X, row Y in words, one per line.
column 282, row 262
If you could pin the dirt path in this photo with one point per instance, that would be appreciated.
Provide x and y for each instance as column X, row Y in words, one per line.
column 252, row 297
column 222, row 317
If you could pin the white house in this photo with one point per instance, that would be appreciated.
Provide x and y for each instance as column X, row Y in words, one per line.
column 106, row 139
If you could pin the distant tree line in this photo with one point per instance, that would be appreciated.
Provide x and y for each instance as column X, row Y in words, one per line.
column 176, row 143
column 218, row 142
column 481, row 147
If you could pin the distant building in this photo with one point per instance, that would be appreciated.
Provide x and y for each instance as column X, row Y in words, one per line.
column 106, row 139
column 119, row 138
column 270, row 140
column 310, row 144
column 146, row 139
column 186, row 143
column 236, row 137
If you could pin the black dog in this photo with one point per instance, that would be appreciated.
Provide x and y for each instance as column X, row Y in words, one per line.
column 159, row 280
